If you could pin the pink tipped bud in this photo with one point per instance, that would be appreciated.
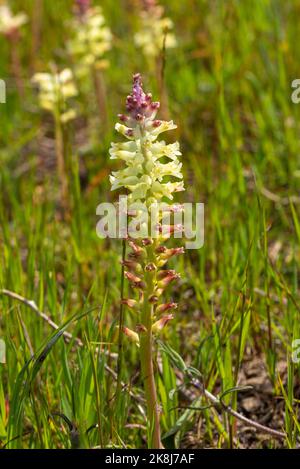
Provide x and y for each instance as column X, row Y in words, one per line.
column 139, row 104
column 137, row 250
column 129, row 133
column 135, row 247
column 135, row 281
column 123, row 118
column 153, row 299
column 132, row 304
column 175, row 208
column 164, row 273
column 131, row 265
column 155, row 105
column 132, row 336
column 168, row 279
column 167, row 253
column 140, row 328
column 161, row 249
column 166, row 307
column 160, row 324
column 82, row 6
column 156, row 123
column 147, row 242
column 150, row 267
column 170, row 229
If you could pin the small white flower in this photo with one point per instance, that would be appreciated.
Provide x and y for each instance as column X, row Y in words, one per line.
column 54, row 91
column 10, row 22
column 155, row 33
column 92, row 39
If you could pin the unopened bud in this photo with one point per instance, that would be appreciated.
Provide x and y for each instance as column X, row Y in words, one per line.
column 132, row 336
column 131, row 265
column 150, row 267
column 132, row 304
column 160, row 324
column 138, row 251
column 140, row 328
column 166, row 307
column 167, row 253
column 153, row 299
column 164, row 273
column 146, row 242
column 135, row 281
column 168, row 279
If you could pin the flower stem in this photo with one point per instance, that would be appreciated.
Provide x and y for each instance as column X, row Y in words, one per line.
column 146, row 357
column 59, row 144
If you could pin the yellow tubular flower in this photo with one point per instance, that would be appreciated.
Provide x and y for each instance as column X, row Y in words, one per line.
column 9, row 22
column 54, row 91
column 92, row 39
column 155, row 29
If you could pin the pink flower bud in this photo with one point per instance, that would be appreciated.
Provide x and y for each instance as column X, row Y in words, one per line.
column 153, row 299
column 132, row 304
column 165, row 307
column 135, row 281
column 138, row 251
column 140, row 328
column 131, row 265
column 133, row 336
column 82, row 6
column 164, row 273
column 175, row 208
column 147, row 242
column 168, row 279
column 139, row 105
column 170, row 229
column 150, row 267
column 160, row 324
column 167, row 253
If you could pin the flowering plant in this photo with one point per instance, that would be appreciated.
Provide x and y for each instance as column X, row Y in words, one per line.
column 155, row 32
column 92, row 39
column 55, row 89
column 10, row 23
column 147, row 178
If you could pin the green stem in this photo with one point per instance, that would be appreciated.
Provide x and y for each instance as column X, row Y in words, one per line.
column 121, row 324
column 59, row 144
column 146, row 357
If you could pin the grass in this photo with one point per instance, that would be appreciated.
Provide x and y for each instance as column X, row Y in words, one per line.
column 229, row 91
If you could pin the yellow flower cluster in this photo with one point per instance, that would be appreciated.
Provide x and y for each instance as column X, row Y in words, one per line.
column 54, row 91
column 150, row 163
column 9, row 22
column 155, row 32
column 92, row 38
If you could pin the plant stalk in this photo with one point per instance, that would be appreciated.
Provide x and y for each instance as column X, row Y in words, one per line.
column 146, row 357
column 59, row 146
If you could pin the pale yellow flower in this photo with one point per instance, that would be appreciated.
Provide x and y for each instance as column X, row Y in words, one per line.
column 155, row 33
column 147, row 173
column 10, row 22
column 55, row 90
column 92, row 39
